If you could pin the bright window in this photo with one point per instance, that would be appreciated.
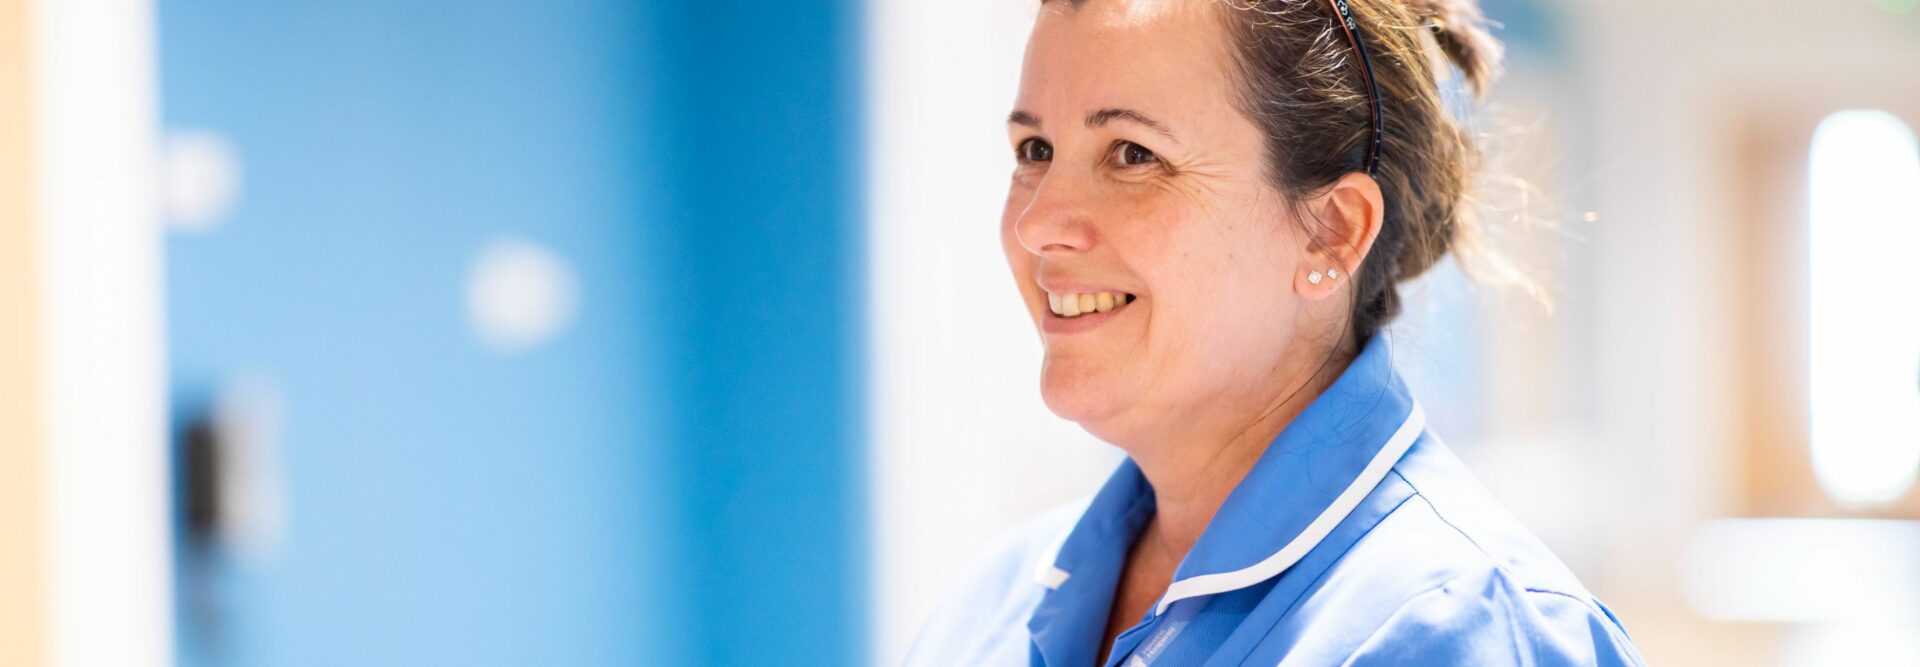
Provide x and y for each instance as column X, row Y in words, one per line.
column 1864, row 286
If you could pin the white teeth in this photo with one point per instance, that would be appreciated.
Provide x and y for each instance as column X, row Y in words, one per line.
column 1074, row 305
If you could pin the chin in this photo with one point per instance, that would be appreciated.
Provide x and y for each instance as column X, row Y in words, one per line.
column 1075, row 392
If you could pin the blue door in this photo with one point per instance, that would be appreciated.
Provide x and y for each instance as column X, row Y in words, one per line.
column 556, row 304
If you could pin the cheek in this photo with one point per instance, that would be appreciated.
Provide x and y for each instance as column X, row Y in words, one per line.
column 1019, row 261
column 1210, row 258
column 1019, row 196
column 1009, row 239
column 1223, row 297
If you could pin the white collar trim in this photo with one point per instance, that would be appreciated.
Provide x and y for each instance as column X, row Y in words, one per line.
column 1344, row 504
column 1045, row 572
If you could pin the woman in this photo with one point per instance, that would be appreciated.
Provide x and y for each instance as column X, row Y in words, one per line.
column 1213, row 204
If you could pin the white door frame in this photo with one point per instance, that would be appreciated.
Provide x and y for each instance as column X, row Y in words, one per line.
column 95, row 115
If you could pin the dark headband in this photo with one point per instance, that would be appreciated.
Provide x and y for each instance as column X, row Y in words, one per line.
column 1352, row 30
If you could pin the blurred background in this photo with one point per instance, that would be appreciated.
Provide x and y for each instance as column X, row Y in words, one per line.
column 613, row 332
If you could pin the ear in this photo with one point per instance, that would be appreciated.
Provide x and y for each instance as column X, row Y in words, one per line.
column 1341, row 227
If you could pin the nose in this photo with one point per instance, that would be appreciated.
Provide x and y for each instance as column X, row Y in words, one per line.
column 1057, row 220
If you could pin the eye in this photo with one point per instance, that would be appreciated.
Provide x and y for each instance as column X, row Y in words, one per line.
column 1034, row 149
column 1129, row 154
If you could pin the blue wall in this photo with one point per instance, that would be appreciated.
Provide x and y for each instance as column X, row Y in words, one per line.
column 764, row 194
column 676, row 478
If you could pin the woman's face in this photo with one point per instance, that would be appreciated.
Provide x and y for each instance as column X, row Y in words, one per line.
column 1138, row 178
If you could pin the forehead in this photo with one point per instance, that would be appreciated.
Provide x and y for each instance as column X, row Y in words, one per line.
column 1139, row 53
column 1132, row 12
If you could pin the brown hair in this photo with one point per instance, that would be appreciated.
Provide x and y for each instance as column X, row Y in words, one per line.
column 1302, row 84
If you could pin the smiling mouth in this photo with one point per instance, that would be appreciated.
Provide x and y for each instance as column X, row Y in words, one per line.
column 1086, row 303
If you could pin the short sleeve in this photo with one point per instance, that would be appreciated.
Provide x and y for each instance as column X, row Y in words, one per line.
column 1484, row 619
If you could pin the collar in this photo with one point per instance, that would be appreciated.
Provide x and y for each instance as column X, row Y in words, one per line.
column 1307, row 481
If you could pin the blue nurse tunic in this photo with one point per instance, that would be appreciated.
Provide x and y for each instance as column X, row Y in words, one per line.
column 1356, row 539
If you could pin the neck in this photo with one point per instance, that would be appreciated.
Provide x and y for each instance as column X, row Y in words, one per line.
column 1195, row 467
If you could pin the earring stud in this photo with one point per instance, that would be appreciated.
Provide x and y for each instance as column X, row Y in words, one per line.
column 1314, row 277
column 1333, row 273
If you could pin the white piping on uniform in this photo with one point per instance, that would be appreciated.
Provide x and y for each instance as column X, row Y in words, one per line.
column 1376, row 470
column 1044, row 572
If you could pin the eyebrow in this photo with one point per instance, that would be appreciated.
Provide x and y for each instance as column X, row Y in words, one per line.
column 1101, row 117
column 1096, row 119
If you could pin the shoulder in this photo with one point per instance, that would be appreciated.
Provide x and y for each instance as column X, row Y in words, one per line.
column 1483, row 616
column 1451, row 512
column 983, row 618
column 1482, row 590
